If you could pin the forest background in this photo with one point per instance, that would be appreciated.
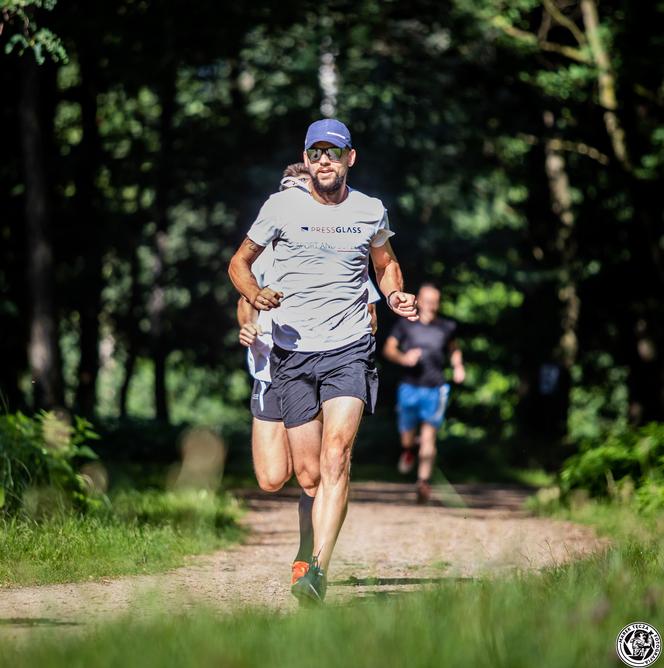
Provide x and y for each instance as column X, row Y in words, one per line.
column 518, row 146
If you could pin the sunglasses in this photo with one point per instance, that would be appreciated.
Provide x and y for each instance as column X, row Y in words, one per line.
column 333, row 153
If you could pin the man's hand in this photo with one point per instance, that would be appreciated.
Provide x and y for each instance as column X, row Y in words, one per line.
column 459, row 374
column 267, row 299
column 411, row 357
column 249, row 333
column 403, row 304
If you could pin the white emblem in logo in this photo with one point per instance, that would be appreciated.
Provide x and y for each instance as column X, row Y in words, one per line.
column 639, row 644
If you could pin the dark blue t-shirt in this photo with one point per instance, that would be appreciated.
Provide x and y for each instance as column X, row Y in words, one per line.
column 433, row 339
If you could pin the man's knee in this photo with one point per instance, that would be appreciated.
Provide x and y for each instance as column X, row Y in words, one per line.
column 308, row 478
column 272, row 481
column 311, row 489
column 335, row 462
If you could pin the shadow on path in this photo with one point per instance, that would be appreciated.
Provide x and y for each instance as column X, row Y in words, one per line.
column 28, row 622
column 473, row 496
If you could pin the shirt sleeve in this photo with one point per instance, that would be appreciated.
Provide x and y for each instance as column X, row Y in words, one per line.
column 383, row 231
column 267, row 226
column 374, row 295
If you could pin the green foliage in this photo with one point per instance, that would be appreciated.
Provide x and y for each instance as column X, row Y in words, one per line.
column 453, row 107
column 18, row 14
column 627, row 459
column 37, row 457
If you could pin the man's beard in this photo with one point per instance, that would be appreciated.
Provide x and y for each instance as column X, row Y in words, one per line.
column 331, row 188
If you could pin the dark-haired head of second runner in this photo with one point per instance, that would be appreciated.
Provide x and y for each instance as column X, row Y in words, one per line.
column 323, row 357
column 422, row 349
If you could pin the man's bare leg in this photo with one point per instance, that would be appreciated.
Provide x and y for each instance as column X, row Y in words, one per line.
column 341, row 419
column 271, row 455
column 273, row 466
column 407, row 457
column 408, row 438
column 304, row 444
column 427, row 451
column 305, row 448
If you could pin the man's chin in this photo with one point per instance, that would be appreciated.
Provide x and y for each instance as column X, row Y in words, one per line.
column 328, row 186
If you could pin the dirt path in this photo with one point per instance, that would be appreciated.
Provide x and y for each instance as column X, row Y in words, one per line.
column 388, row 544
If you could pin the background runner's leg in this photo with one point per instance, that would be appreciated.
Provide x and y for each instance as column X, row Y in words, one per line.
column 341, row 419
column 427, row 451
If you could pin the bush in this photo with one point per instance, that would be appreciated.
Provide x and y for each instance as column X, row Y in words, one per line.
column 631, row 460
column 37, row 461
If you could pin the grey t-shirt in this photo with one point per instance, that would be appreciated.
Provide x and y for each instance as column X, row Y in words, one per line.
column 321, row 265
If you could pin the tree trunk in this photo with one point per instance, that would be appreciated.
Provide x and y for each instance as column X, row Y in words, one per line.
column 91, row 236
column 132, row 330
column 561, row 206
column 157, row 300
column 43, row 346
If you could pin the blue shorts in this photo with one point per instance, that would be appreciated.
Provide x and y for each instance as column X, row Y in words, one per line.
column 421, row 404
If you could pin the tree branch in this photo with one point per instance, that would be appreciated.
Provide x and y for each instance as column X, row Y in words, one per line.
column 570, row 146
column 562, row 20
column 529, row 38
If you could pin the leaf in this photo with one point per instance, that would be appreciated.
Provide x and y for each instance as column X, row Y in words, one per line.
column 86, row 451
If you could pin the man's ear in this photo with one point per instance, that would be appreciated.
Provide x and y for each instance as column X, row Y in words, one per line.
column 352, row 156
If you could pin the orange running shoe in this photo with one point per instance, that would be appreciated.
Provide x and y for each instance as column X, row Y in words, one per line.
column 298, row 570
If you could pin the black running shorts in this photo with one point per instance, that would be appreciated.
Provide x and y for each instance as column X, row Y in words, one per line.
column 304, row 380
column 264, row 402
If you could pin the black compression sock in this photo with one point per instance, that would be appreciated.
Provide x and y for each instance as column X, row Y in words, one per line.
column 304, row 508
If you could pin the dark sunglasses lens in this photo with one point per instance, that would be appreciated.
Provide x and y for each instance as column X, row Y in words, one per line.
column 333, row 153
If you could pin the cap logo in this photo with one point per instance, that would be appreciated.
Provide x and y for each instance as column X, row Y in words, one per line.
column 336, row 134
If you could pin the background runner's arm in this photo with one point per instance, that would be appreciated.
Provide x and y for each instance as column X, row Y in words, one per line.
column 392, row 353
column 456, row 360
column 244, row 281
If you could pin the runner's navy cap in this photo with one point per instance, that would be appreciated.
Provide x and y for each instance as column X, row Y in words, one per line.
column 329, row 130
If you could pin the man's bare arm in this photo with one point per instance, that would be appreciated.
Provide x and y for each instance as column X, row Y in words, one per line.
column 456, row 360
column 374, row 318
column 392, row 353
column 388, row 271
column 390, row 282
column 239, row 270
column 246, row 318
column 246, row 313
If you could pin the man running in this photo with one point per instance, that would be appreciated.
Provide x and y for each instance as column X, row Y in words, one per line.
column 421, row 348
column 269, row 442
column 323, row 357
